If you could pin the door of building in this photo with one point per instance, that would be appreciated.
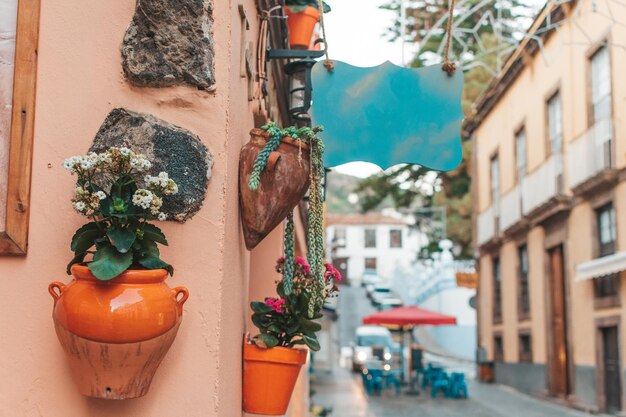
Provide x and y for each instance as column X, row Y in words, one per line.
column 611, row 362
column 341, row 264
column 559, row 370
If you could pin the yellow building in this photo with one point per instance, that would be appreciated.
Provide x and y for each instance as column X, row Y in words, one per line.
column 549, row 170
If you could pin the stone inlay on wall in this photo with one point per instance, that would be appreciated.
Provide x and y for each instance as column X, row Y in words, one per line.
column 170, row 42
column 172, row 149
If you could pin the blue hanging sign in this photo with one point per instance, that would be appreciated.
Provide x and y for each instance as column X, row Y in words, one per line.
column 389, row 115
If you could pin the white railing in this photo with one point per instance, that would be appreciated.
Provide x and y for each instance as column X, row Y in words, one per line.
column 541, row 185
column 486, row 226
column 590, row 153
column 510, row 209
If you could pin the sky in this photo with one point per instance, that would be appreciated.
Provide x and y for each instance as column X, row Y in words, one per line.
column 354, row 34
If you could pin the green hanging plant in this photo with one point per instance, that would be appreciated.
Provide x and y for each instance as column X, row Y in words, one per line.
column 288, row 320
column 297, row 6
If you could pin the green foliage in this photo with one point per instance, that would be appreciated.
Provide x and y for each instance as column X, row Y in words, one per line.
column 297, row 6
column 288, row 321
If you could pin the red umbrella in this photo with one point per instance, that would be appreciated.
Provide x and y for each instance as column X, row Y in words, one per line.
column 408, row 316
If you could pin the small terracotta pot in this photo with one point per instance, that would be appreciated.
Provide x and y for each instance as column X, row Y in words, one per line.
column 301, row 26
column 283, row 184
column 115, row 333
column 269, row 376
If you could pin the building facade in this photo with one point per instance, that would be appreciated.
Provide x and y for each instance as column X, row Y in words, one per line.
column 72, row 52
column 371, row 242
column 549, row 171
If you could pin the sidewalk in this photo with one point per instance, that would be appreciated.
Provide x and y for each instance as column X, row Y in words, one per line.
column 343, row 391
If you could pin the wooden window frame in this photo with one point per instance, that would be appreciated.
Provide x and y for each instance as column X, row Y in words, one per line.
column 614, row 300
column 603, row 41
column 497, row 292
column 523, row 314
column 365, row 241
column 498, row 356
column 14, row 239
column 522, row 358
column 391, row 245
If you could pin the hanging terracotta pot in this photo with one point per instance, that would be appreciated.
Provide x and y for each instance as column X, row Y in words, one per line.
column 269, row 376
column 301, row 26
column 283, row 183
column 115, row 333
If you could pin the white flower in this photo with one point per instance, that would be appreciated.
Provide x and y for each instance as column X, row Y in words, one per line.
column 86, row 164
column 101, row 195
column 125, row 152
column 143, row 198
column 162, row 217
column 68, row 164
column 79, row 206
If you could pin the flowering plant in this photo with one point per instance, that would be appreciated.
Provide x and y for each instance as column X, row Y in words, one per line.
column 108, row 192
column 288, row 320
column 298, row 6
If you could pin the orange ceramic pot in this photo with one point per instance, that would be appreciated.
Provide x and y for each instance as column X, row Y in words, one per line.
column 301, row 26
column 135, row 306
column 116, row 333
column 269, row 376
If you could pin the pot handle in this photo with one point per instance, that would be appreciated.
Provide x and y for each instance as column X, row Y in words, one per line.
column 54, row 287
column 273, row 160
column 178, row 291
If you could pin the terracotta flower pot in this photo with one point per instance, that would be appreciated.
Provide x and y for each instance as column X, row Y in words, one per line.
column 283, row 184
column 301, row 26
column 269, row 376
column 115, row 333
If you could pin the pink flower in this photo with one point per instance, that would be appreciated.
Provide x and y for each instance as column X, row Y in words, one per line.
column 304, row 264
column 277, row 304
column 331, row 273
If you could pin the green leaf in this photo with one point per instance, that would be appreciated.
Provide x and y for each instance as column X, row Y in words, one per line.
column 109, row 263
column 260, row 321
column 312, row 343
column 269, row 340
column 122, row 238
column 151, row 232
column 259, row 307
column 274, row 328
column 85, row 237
column 78, row 258
column 309, row 325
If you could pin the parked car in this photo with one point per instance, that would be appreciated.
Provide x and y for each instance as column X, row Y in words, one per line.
column 368, row 337
column 370, row 278
column 381, row 292
column 388, row 303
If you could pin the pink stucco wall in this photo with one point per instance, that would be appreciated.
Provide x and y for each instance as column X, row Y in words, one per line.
column 79, row 81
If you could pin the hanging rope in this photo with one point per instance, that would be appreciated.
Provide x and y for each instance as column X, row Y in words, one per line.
column 328, row 64
column 449, row 66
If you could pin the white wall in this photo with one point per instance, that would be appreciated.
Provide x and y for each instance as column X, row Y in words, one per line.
column 388, row 258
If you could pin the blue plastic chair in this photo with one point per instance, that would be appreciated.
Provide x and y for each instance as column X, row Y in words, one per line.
column 430, row 374
column 440, row 383
column 392, row 379
column 372, row 380
column 458, row 385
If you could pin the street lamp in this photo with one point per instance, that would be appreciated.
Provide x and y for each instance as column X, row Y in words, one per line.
column 300, row 89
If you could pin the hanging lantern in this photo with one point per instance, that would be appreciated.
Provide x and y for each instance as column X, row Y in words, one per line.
column 300, row 89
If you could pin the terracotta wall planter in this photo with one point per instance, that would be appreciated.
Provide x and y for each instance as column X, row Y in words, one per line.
column 301, row 26
column 284, row 182
column 116, row 333
column 269, row 376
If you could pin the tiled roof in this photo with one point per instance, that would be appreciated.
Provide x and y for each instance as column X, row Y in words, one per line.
column 367, row 218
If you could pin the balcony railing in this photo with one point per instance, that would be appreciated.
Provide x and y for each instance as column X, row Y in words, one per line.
column 590, row 154
column 486, row 226
column 543, row 184
column 510, row 209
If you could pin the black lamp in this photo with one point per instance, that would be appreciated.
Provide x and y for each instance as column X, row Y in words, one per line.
column 300, row 90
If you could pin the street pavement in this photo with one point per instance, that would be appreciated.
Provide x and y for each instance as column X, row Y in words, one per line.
column 342, row 390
